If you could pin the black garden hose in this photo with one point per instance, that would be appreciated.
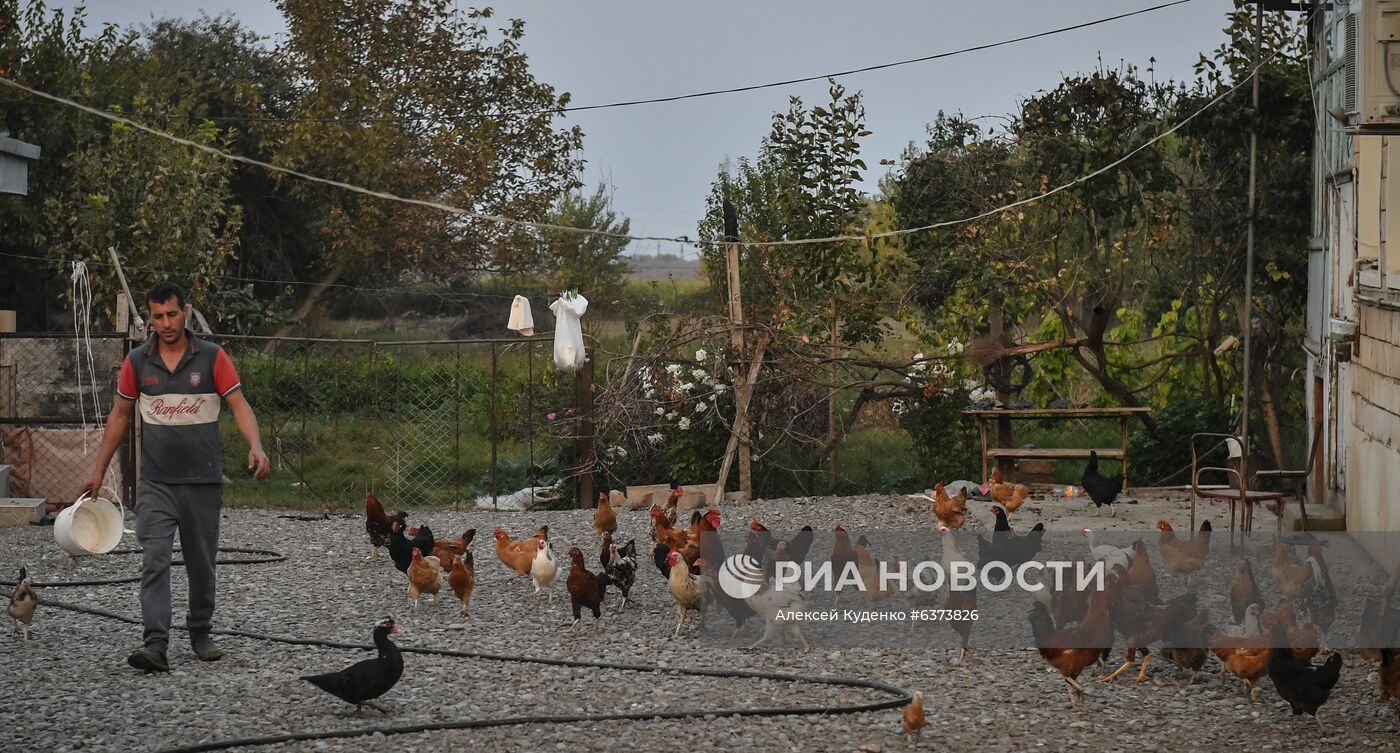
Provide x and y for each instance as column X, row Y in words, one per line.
column 898, row 696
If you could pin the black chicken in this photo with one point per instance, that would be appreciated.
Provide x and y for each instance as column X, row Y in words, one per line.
column 661, row 557
column 378, row 524
column 1102, row 489
column 1006, row 546
column 422, row 539
column 1298, row 681
column 620, row 566
column 364, row 681
column 400, row 548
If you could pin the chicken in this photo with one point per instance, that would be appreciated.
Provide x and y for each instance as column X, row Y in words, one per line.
column 365, row 681
column 1009, row 496
column 688, row 590
column 1246, row 657
column 876, row 590
column 663, row 532
column 1185, row 644
column 1006, row 546
column 958, row 602
column 23, row 602
column 1102, row 489
column 377, row 524
column 842, row 556
column 620, row 565
column 422, row 539
column 950, row 511
column 400, row 548
column 1388, row 679
column 516, row 555
column 1072, row 650
column 668, row 510
column 448, row 550
column 1303, row 640
column 463, row 579
column 586, row 590
column 1141, row 575
column 1243, row 591
column 913, row 720
column 1303, row 685
column 424, row 577
column 1183, row 557
column 771, row 604
column 1070, row 603
column 543, row 570
column 1142, row 623
column 604, row 519
column 1290, row 574
column 797, row 547
column 1319, row 596
column 661, row 557
column 1111, row 556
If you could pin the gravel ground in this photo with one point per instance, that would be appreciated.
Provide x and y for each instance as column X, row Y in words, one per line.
column 69, row 687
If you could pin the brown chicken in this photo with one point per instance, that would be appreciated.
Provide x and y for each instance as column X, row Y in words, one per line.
column 1142, row 623
column 960, row 604
column 1185, row 644
column 1071, row 602
column 1141, row 575
column 1243, row 591
column 448, row 550
column 1290, row 574
column 950, row 511
column 1009, row 496
column 463, row 579
column 869, row 568
column 423, row 577
column 586, row 590
column 1388, row 680
column 604, row 519
column 23, row 601
column 914, row 721
column 377, row 524
column 1246, row 657
column 842, row 556
column 518, row 555
column 1303, row 640
column 671, row 507
column 1074, row 649
column 1183, row 556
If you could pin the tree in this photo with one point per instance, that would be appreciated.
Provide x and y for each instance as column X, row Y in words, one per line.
column 591, row 263
column 415, row 99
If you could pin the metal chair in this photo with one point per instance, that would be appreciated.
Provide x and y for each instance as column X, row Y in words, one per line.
column 1239, row 494
column 1298, row 477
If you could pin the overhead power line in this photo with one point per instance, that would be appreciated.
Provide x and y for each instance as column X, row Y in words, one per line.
column 683, row 240
column 676, row 97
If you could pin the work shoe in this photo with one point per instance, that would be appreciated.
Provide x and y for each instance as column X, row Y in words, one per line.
column 204, row 647
column 149, row 660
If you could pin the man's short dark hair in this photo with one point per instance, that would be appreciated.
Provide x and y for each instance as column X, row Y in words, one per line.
column 164, row 291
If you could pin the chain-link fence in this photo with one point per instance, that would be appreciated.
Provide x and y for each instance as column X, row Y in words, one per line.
column 418, row 423
column 53, row 399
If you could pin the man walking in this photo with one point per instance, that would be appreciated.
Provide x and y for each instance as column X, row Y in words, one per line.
column 178, row 381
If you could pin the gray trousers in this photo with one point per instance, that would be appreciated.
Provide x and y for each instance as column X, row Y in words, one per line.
column 161, row 510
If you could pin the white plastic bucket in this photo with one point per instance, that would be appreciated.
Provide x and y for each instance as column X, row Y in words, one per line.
column 92, row 525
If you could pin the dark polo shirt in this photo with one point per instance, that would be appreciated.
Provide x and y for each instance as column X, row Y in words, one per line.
column 179, row 409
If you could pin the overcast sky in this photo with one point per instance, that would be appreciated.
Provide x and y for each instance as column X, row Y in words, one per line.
column 662, row 158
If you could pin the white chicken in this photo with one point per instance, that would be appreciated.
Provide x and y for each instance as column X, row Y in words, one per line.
column 771, row 605
column 544, row 571
column 1112, row 556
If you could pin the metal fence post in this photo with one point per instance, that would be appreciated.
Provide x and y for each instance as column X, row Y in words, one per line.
column 495, row 488
column 457, row 427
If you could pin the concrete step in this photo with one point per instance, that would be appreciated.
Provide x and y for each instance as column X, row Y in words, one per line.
column 1321, row 517
column 20, row 511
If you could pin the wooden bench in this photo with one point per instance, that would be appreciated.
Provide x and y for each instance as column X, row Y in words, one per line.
column 1122, row 415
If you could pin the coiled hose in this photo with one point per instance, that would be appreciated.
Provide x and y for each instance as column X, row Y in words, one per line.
column 898, row 696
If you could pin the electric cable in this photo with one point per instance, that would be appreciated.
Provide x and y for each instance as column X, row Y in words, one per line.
column 899, row 696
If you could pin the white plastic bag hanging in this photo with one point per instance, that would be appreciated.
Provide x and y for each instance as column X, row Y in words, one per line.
column 521, row 320
column 569, row 353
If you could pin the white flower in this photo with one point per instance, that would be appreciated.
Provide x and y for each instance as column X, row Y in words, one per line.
column 684, row 424
column 700, row 406
column 655, row 438
column 939, row 368
column 686, row 386
column 660, row 411
column 700, row 355
column 700, row 375
column 720, row 388
column 671, row 415
column 955, row 348
column 673, row 368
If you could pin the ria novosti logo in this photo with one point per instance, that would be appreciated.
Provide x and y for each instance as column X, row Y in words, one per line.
column 741, row 576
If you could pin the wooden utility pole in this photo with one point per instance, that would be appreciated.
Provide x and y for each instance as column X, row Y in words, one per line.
column 742, row 389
